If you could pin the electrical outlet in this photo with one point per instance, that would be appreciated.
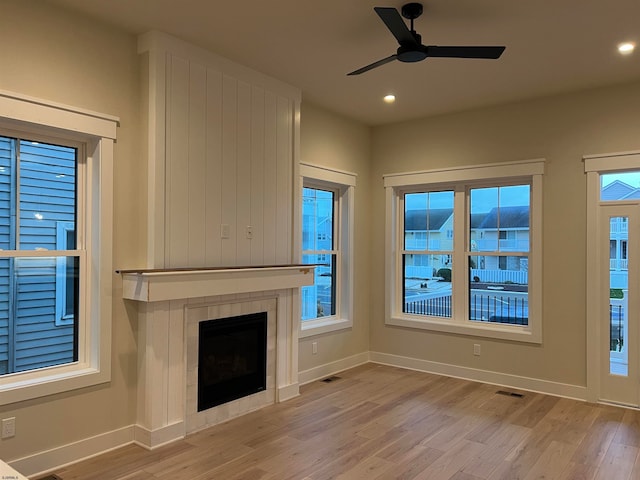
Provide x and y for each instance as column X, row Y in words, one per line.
column 8, row 427
column 476, row 349
column 249, row 232
column 314, row 348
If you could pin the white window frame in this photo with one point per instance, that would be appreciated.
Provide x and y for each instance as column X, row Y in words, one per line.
column 460, row 179
column 343, row 183
column 97, row 132
column 594, row 167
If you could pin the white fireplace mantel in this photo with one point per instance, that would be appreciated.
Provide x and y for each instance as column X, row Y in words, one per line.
column 165, row 298
column 172, row 284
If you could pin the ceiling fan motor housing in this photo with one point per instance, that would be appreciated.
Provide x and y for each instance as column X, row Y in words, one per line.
column 411, row 53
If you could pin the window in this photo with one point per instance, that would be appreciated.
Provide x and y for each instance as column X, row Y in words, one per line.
column 326, row 241
column 55, row 247
column 499, row 285
column 478, row 269
column 428, row 215
column 318, row 222
column 38, row 191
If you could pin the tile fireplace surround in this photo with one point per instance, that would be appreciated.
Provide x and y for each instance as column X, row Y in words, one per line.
column 170, row 304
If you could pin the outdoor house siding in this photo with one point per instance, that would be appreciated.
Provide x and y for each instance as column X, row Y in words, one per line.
column 6, row 153
column 32, row 334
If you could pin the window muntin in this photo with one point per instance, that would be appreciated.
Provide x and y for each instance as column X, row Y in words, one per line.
column 39, row 191
column 428, row 219
column 319, row 247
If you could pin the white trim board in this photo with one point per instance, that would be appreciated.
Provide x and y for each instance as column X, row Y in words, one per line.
column 328, row 369
column 157, row 438
column 537, row 385
column 44, row 462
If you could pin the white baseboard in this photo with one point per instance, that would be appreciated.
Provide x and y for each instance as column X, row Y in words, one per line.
column 157, row 438
column 288, row 392
column 316, row 373
column 575, row 392
column 43, row 462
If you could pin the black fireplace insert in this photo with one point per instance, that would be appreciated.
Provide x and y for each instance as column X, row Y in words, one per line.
column 232, row 359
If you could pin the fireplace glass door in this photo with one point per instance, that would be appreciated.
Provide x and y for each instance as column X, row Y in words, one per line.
column 232, row 359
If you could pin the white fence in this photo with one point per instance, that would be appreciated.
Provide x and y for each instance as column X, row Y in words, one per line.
column 500, row 276
column 485, row 276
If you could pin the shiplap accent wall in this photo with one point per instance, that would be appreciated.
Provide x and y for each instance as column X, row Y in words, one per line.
column 223, row 150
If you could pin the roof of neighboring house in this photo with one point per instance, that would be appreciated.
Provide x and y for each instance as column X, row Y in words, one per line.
column 635, row 195
column 476, row 219
column 618, row 190
column 510, row 217
column 417, row 219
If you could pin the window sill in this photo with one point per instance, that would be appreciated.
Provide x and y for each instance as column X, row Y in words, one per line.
column 480, row 329
column 310, row 328
column 19, row 387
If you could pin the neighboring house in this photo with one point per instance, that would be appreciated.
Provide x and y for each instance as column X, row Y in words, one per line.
column 317, row 245
column 37, row 213
column 502, row 233
column 618, row 190
column 512, row 235
column 618, row 232
column 433, row 233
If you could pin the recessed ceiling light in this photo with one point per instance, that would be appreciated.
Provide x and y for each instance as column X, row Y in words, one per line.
column 389, row 98
column 626, row 48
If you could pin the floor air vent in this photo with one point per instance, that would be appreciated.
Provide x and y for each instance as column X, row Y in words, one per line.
column 331, row 379
column 510, row 394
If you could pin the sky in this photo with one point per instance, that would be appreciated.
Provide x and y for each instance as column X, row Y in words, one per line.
column 630, row 178
column 482, row 199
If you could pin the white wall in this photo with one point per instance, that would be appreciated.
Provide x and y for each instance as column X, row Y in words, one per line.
column 224, row 142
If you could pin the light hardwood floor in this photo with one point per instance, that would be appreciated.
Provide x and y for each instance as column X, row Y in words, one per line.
column 379, row 422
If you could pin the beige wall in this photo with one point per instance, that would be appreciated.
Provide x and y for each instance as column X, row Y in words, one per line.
column 329, row 140
column 76, row 61
column 73, row 60
column 561, row 129
column 54, row 56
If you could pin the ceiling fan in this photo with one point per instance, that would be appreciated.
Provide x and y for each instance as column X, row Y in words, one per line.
column 411, row 48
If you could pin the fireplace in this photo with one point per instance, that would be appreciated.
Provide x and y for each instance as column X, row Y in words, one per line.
column 232, row 359
column 235, row 384
column 171, row 305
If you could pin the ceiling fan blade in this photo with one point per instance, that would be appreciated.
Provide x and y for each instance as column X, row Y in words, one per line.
column 395, row 24
column 374, row 65
column 464, row 52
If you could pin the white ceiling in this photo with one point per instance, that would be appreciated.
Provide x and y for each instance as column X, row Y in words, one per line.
column 553, row 46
